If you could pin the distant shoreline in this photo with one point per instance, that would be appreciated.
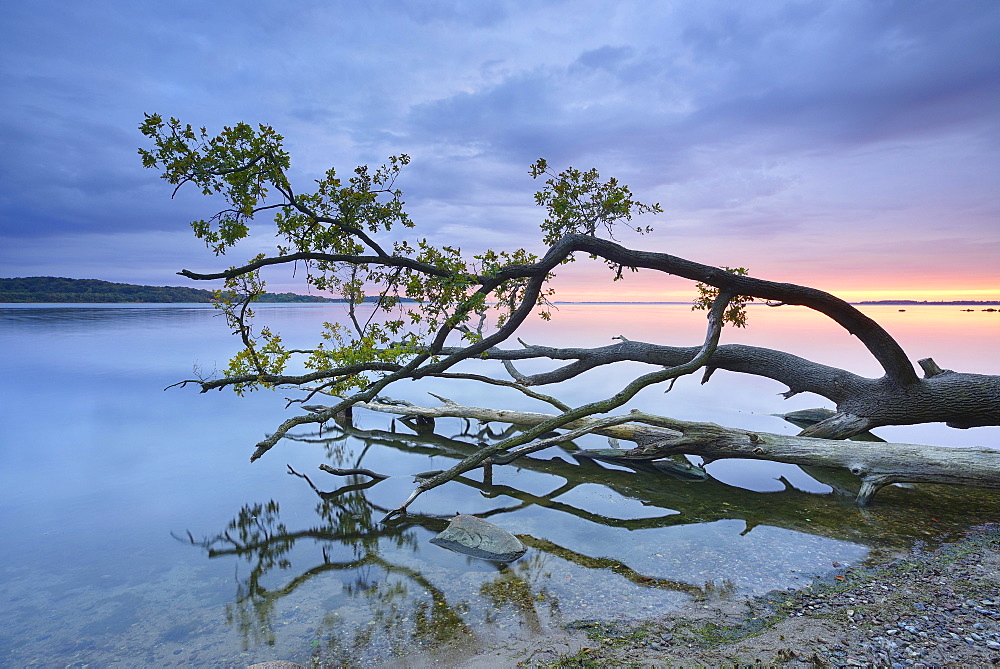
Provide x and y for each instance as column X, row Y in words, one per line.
column 283, row 298
column 866, row 303
column 59, row 290
column 916, row 303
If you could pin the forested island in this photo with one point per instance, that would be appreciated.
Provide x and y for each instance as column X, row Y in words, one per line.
column 60, row 289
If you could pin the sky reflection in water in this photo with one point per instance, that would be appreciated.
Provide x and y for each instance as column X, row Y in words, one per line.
column 136, row 531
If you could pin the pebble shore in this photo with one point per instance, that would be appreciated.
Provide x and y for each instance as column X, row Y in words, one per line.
column 931, row 608
column 939, row 608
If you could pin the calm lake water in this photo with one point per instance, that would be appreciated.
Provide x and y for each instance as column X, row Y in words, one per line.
column 136, row 532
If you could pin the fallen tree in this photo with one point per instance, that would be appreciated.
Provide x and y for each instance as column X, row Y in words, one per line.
column 432, row 295
column 673, row 485
column 658, row 437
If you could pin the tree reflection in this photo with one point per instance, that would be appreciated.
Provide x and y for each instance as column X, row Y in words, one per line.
column 407, row 609
column 903, row 516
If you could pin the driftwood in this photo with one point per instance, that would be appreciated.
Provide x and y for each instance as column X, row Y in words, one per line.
column 657, row 437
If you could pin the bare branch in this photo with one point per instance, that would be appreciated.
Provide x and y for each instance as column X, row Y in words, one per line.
column 805, row 375
column 882, row 346
column 659, row 437
column 385, row 261
column 603, row 406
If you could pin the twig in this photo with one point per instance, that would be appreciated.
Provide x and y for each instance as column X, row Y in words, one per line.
column 352, row 471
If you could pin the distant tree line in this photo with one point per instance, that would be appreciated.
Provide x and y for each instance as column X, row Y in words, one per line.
column 58, row 289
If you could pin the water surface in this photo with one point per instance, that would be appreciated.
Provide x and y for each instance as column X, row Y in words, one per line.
column 136, row 532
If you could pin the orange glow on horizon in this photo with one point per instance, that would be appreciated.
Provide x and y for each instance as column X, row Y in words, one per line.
column 930, row 294
column 593, row 284
column 619, row 293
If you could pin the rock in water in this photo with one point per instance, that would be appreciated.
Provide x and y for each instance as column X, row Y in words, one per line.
column 478, row 538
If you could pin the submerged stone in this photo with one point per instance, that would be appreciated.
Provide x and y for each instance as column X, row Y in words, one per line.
column 478, row 538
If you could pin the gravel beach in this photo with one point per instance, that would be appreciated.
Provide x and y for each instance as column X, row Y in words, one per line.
column 926, row 609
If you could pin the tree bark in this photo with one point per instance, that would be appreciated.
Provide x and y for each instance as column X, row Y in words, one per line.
column 657, row 437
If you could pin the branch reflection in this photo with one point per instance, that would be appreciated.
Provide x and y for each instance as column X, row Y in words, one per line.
column 408, row 604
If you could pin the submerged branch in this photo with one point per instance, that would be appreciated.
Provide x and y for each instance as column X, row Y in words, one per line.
column 656, row 437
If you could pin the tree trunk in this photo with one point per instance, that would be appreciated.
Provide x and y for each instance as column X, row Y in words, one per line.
column 959, row 399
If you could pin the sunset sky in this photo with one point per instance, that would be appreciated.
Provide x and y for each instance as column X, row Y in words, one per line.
column 853, row 146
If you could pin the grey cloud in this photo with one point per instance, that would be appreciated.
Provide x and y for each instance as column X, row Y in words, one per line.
column 609, row 58
column 815, row 79
column 844, row 76
column 714, row 105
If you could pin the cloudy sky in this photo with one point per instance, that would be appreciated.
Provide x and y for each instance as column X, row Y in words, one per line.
column 850, row 145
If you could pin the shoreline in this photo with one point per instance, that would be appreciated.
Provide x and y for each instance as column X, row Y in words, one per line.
column 926, row 608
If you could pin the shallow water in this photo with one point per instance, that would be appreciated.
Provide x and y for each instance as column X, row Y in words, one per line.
column 136, row 532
